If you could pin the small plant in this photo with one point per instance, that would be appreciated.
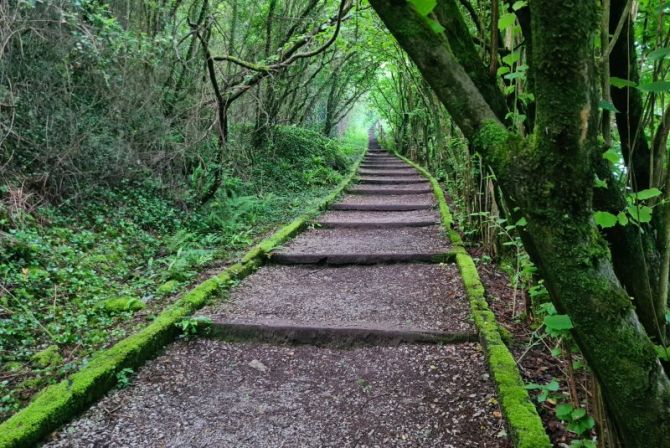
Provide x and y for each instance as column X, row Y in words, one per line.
column 124, row 377
column 547, row 392
column 191, row 325
column 364, row 385
column 578, row 422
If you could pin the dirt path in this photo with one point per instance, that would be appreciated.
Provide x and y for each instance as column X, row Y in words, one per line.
column 355, row 336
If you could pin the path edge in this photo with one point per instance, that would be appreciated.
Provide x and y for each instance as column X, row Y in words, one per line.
column 58, row 403
column 524, row 423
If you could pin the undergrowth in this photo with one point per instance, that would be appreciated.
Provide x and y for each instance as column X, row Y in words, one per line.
column 81, row 275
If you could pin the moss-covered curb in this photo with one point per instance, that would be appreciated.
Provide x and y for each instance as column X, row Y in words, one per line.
column 58, row 403
column 525, row 426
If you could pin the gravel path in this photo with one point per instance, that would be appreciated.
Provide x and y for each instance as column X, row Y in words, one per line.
column 379, row 218
column 210, row 393
column 320, row 244
column 388, row 172
column 357, row 296
column 383, row 202
column 414, row 188
column 326, row 388
column 392, row 179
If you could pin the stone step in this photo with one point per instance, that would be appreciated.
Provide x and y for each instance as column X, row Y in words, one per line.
column 349, row 304
column 381, row 159
column 393, row 189
column 366, row 246
column 291, row 332
column 384, row 164
column 377, row 206
column 400, row 172
column 385, row 202
column 386, row 180
column 347, row 258
column 371, row 220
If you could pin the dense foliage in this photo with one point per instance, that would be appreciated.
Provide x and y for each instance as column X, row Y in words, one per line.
column 116, row 190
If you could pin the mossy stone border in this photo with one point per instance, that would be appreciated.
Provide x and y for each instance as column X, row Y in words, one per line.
column 524, row 423
column 55, row 405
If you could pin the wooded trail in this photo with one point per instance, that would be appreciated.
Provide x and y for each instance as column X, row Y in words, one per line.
column 377, row 351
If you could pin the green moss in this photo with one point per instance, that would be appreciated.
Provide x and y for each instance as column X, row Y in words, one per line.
column 120, row 304
column 49, row 357
column 500, row 146
column 663, row 353
column 58, row 403
column 167, row 288
column 505, row 335
column 524, row 423
column 12, row 366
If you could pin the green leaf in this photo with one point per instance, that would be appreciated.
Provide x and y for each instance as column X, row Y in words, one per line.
column 506, row 20
column 647, row 194
column 511, row 58
column 435, row 26
column 660, row 53
column 605, row 219
column 518, row 5
column 521, row 222
column 621, row 83
column 622, row 218
column 515, row 75
column 582, row 425
column 563, row 411
column 578, row 413
column 502, row 70
column 424, row 7
column 558, row 322
column 611, row 155
column 553, row 386
column 640, row 213
column 599, row 183
column 606, row 105
column 656, row 87
column 662, row 352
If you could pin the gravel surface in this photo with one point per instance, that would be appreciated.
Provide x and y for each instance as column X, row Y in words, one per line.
column 395, row 164
column 393, row 180
column 210, row 393
column 415, row 188
column 369, row 241
column 416, row 296
column 388, row 171
column 381, row 157
column 416, row 199
column 380, row 217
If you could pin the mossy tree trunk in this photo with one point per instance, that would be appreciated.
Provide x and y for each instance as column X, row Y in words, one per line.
column 549, row 176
